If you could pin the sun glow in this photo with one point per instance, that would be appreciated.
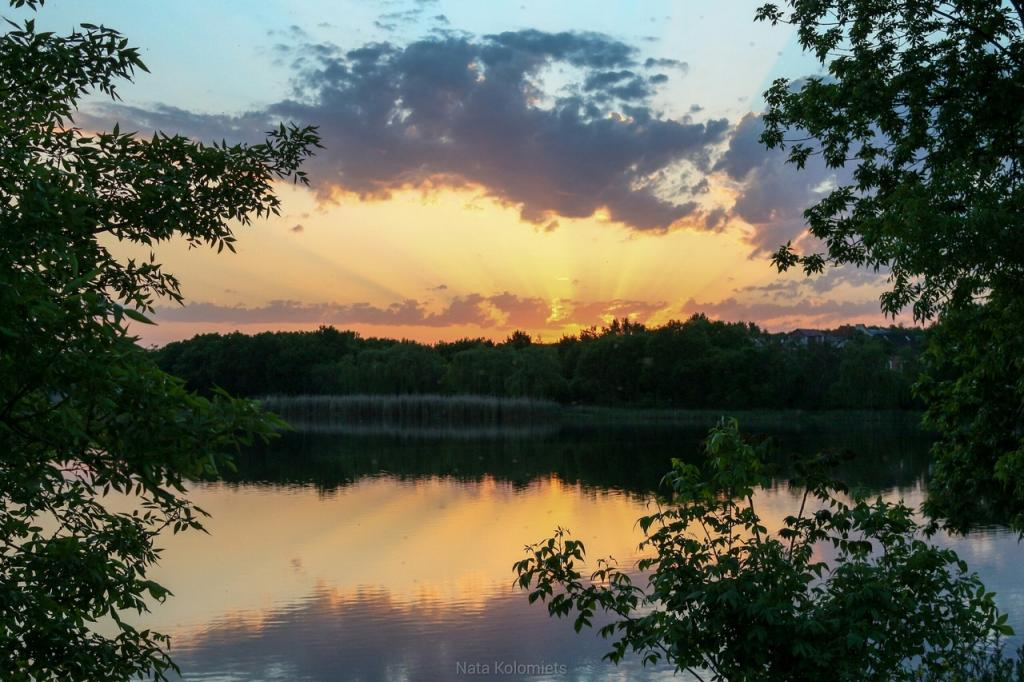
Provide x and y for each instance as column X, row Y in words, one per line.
column 438, row 245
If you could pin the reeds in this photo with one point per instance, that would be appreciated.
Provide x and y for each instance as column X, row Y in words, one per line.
column 423, row 414
column 774, row 421
column 476, row 416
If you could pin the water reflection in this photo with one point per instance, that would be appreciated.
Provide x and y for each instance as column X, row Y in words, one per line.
column 625, row 459
column 368, row 634
column 345, row 559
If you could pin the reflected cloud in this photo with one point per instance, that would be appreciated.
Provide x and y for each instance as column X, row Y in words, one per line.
column 367, row 634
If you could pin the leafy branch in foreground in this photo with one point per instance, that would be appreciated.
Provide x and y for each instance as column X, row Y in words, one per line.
column 922, row 102
column 841, row 590
column 88, row 423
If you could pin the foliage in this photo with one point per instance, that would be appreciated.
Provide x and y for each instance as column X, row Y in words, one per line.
column 983, row 666
column 842, row 590
column 696, row 364
column 922, row 99
column 975, row 398
column 86, row 418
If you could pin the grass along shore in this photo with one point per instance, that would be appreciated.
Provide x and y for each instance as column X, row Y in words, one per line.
column 476, row 415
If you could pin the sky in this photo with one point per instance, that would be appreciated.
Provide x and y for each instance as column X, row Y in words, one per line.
column 487, row 166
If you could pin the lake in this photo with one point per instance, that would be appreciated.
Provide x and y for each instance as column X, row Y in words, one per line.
column 340, row 557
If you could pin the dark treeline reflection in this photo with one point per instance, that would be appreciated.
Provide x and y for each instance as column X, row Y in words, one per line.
column 627, row 459
column 696, row 364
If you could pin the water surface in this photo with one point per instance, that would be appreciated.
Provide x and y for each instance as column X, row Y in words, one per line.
column 350, row 558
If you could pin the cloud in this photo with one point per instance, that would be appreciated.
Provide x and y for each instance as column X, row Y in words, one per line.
column 453, row 110
column 623, row 84
column 831, row 279
column 461, row 311
column 598, row 313
column 504, row 311
column 792, row 313
column 391, row 21
column 497, row 311
column 652, row 62
column 297, row 228
column 850, row 275
column 772, row 193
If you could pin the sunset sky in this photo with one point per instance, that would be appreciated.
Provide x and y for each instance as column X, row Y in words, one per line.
column 488, row 166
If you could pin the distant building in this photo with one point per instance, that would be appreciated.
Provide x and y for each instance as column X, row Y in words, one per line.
column 808, row 337
column 873, row 331
column 844, row 334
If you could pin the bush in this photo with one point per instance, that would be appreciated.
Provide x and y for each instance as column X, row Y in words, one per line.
column 727, row 599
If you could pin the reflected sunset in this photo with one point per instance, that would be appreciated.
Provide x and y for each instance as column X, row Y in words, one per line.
column 403, row 537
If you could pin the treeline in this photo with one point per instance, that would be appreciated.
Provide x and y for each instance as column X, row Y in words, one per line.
column 698, row 363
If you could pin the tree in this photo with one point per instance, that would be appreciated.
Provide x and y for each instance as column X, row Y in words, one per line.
column 729, row 599
column 864, row 378
column 923, row 100
column 536, row 373
column 974, row 390
column 518, row 340
column 84, row 412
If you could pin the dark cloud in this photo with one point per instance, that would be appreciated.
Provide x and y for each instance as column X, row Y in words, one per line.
column 773, row 194
column 503, row 310
column 215, row 127
column 601, row 80
column 460, row 111
column 298, row 227
column 390, row 21
column 585, row 50
column 653, row 63
column 716, row 219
